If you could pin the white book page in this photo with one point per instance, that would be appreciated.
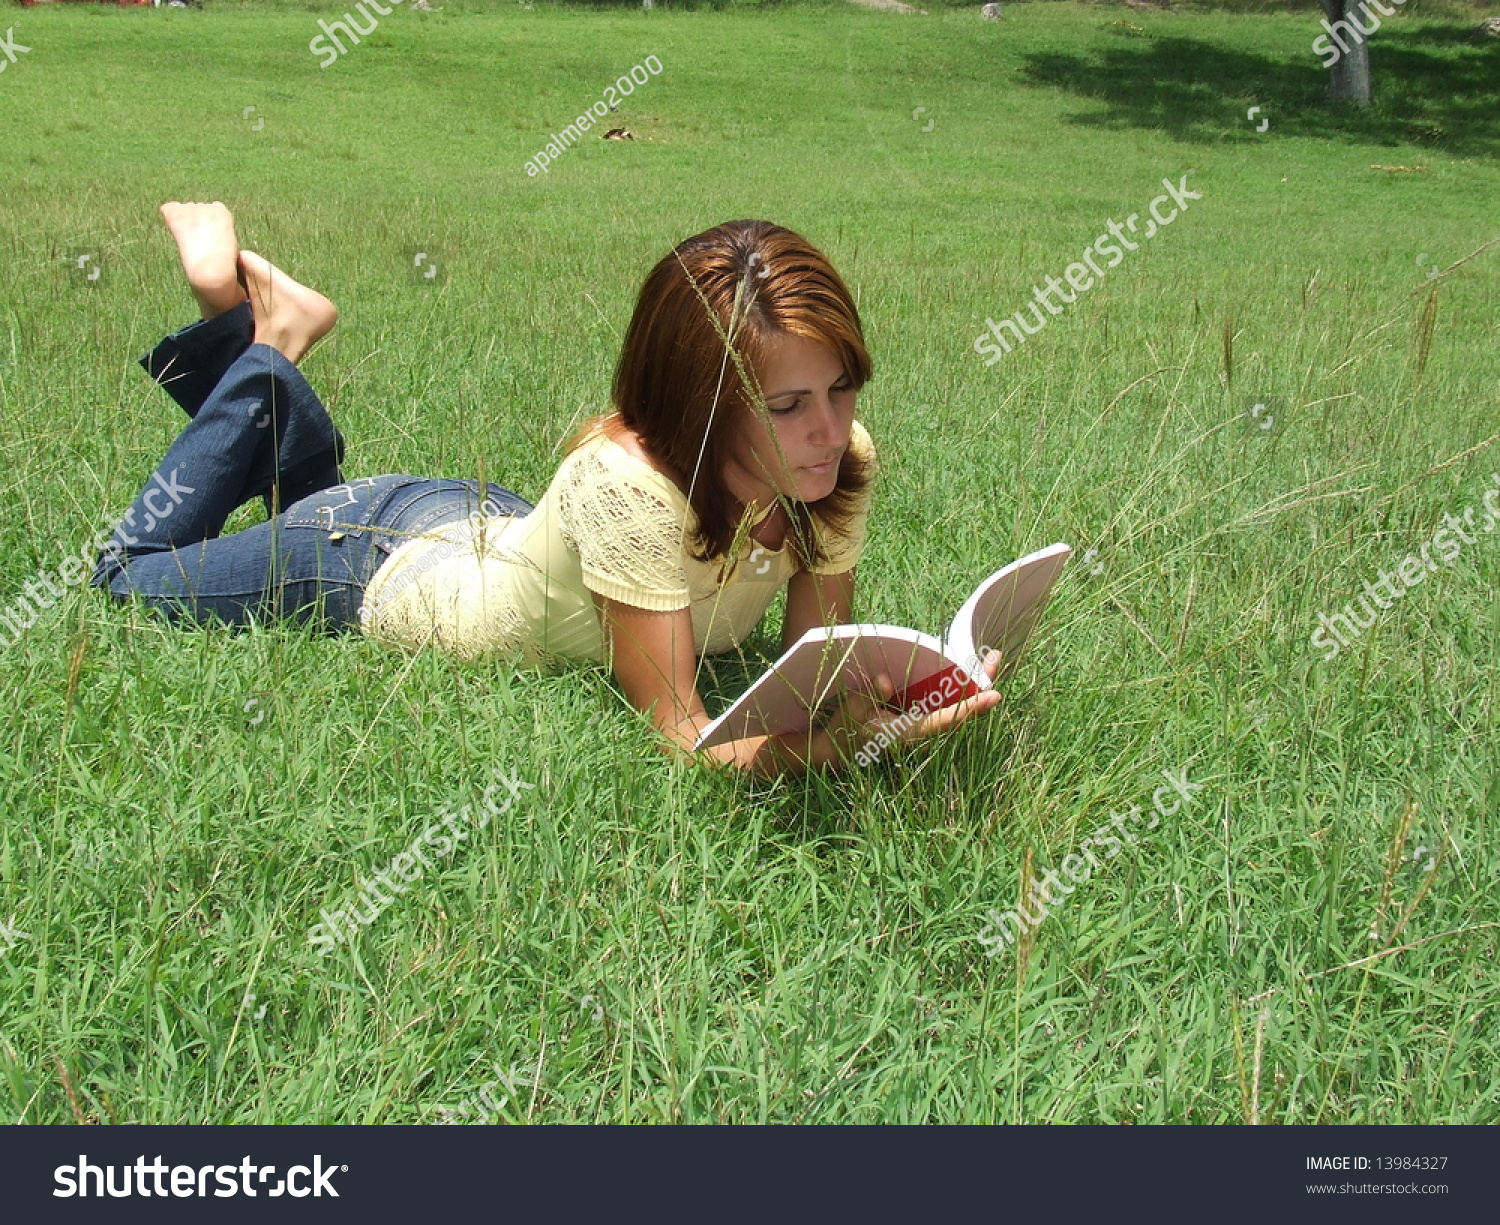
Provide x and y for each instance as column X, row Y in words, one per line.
column 822, row 665
column 1006, row 606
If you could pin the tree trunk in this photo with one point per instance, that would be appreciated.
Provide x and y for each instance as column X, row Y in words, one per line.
column 1349, row 78
column 1349, row 74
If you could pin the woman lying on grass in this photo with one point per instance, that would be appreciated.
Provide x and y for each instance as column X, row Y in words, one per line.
column 732, row 466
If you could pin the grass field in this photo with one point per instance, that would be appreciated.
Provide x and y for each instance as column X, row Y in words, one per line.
column 1262, row 408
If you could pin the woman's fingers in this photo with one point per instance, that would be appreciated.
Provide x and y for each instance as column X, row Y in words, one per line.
column 878, row 717
column 866, row 715
column 885, row 688
column 949, row 717
column 859, row 713
column 992, row 664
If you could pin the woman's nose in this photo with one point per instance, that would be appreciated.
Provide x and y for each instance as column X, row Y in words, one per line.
column 829, row 427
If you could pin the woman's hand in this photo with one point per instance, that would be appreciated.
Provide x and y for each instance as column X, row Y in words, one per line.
column 862, row 718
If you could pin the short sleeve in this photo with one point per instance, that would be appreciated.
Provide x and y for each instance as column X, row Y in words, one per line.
column 628, row 532
column 842, row 550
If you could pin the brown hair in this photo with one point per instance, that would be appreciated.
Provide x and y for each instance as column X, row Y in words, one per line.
column 688, row 371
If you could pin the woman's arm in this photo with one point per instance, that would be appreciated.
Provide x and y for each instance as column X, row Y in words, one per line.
column 654, row 661
column 816, row 599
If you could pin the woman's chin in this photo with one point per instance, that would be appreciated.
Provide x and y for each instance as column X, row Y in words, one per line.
column 814, row 488
column 809, row 486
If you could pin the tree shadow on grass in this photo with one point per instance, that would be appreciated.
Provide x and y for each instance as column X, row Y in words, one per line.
column 1434, row 86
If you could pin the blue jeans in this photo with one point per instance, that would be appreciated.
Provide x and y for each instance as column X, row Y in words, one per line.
column 258, row 430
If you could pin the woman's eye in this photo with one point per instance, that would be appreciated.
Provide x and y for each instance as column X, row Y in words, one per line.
column 796, row 404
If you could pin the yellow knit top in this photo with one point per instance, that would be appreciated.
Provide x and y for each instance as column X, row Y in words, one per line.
column 608, row 523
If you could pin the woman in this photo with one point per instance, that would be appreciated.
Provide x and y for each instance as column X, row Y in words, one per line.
column 732, row 466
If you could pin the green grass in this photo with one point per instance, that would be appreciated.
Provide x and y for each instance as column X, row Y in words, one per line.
column 178, row 804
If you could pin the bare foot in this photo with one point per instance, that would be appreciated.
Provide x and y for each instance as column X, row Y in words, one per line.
column 289, row 317
column 210, row 251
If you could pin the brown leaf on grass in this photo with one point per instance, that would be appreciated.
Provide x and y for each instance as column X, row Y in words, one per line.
column 1026, row 940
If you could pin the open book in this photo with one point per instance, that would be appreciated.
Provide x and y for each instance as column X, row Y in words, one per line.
column 830, row 661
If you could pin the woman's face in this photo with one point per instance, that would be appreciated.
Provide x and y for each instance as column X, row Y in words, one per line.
column 795, row 451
